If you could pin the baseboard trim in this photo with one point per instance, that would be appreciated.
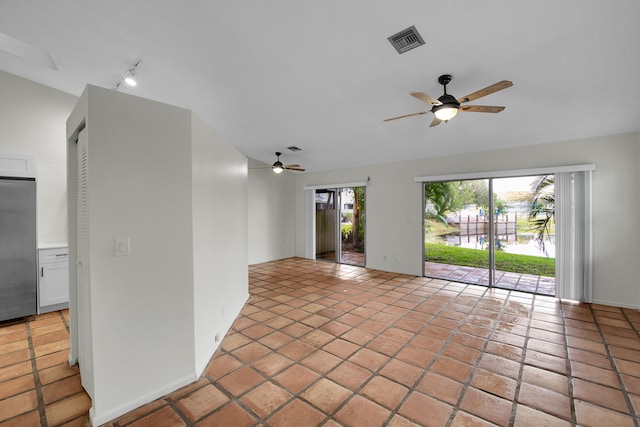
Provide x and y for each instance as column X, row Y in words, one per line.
column 106, row 416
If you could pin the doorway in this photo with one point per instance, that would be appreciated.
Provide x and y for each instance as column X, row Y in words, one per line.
column 340, row 225
column 493, row 232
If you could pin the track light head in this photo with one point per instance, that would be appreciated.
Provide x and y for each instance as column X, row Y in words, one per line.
column 129, row 76
column 130, row 80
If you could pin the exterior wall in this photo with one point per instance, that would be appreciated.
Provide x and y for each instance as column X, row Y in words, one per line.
column 394, row 205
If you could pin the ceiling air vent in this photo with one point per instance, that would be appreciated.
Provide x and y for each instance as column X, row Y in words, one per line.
column 406, row 40
column 294, row 148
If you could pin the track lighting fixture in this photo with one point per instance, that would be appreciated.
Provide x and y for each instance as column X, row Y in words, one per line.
column 129, row 76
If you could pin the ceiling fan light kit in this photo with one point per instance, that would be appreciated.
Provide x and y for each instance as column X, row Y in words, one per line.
column 278, row 167
column 447, row 106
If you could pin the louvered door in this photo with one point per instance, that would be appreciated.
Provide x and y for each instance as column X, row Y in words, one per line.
column 85, row 345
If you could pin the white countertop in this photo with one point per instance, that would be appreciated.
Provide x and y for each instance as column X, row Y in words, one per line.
column 52, row 245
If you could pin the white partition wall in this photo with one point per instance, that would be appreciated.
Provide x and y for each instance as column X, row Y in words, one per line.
column 158, row 262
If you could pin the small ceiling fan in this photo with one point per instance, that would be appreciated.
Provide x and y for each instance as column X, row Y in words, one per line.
column 447, row 106
column 278, row 167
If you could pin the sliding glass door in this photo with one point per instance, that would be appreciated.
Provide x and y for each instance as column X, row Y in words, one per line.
column 456, row 230
column 326, row 223
column 492, row 232
column 340, row 225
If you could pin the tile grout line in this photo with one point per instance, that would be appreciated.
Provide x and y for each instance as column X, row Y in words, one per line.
column 172, row 404
column 36, row 378
column 320, row 285
column 617, row 372
column 64, row 321
column 427, row 368
column 467, row 383
column 509, row 293
column 522, row 362
column 324, row 376
column 294, row 396
column 363, row 346
column 375, row 373
column 572, row 399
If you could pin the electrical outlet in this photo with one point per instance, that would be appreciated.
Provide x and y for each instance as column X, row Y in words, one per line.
column 123, row 246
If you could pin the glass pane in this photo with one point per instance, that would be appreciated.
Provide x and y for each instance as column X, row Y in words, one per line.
column 326, row 225
column 525, row 234
column 352, row 226
column 456, row 231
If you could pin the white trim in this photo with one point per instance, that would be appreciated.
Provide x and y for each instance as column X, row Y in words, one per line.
column 342, row 185
column 113, row 413
column 18, row 165
column 310, row 223
column 505, row 173
column 588, row 239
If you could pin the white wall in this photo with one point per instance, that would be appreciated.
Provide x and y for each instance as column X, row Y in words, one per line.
column 271, row 214
column 160, row 177
column 219, row 238
column 142, row 304
column 33, row 122
column 394, row 201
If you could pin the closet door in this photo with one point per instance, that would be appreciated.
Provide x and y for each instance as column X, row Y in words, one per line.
column 85, row 345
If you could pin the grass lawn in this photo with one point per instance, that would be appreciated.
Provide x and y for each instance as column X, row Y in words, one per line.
column 525, row 264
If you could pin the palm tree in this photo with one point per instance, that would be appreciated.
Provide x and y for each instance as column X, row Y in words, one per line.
column 542, row 210
column 441, row 196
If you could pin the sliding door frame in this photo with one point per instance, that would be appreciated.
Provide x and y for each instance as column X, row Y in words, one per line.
column 565, row 288
column 310, row 211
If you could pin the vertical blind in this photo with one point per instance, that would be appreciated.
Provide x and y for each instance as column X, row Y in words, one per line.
column 573, row 235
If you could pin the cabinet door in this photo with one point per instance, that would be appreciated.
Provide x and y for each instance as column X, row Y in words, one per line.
column 54, row 283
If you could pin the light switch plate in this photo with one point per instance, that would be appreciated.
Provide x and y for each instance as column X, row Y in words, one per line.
column 123, row 246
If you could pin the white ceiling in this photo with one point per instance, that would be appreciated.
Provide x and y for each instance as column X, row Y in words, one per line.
column 322, row 75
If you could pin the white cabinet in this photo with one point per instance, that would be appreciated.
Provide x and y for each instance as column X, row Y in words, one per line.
column 53, row 279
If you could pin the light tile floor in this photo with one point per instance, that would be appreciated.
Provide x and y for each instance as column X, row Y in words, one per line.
column 336, row 345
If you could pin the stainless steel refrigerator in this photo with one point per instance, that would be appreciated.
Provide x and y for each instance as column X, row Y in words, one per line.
column 18, row 248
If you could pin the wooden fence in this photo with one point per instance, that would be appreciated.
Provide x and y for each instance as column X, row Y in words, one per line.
column 325, row 231
column 472, row 225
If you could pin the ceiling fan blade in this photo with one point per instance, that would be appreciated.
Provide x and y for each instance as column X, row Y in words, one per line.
column 407, row 115
column 294, row 168
column 291, row 166
column 426, row 98
column 486, row 91
column 436, row 121
column 481, row 109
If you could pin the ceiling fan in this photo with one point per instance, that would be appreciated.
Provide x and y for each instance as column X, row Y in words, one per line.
column 447, row 106
column 278, row 167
